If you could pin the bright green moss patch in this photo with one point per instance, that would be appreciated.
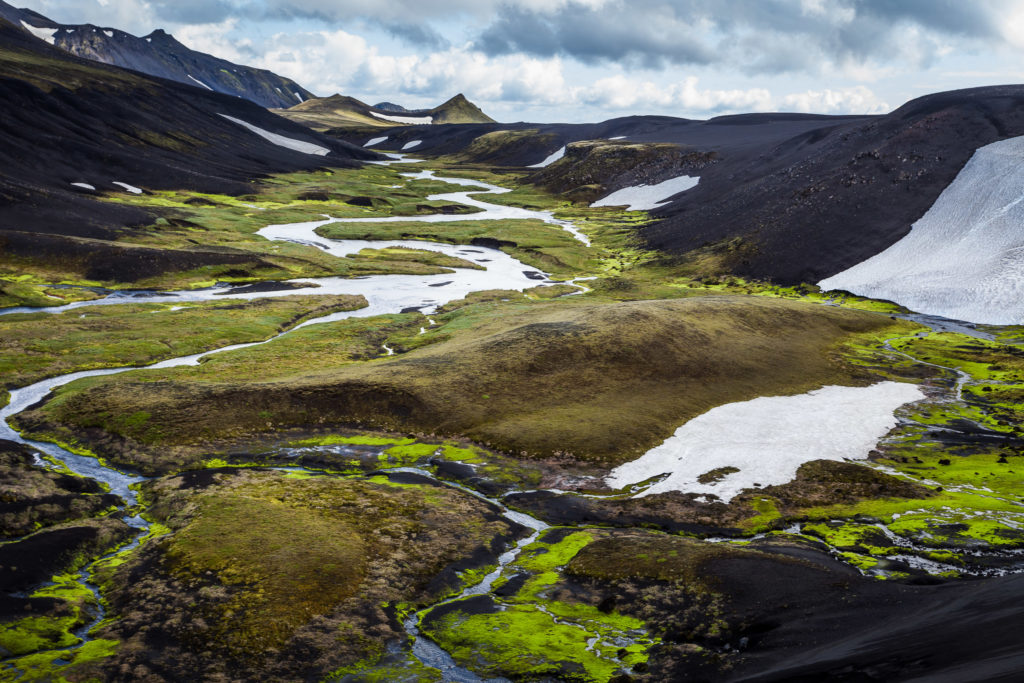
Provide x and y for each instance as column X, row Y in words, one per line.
column 335, row 440
column 542, row 556
column 67, row 666
column 523, row 642
column 37, row 633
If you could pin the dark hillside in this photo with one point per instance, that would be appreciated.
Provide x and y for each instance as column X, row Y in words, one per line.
column 68, row 120
column 822, row 201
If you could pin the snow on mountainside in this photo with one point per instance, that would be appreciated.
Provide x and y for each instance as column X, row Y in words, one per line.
column 160, row 54
column 964, row 259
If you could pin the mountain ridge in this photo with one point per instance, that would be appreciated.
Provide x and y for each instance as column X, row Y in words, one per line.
column 160, row 54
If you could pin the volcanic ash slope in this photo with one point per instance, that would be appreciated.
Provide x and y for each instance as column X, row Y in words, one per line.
column 964, row 259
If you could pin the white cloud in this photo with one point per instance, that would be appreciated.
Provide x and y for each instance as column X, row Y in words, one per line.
column 213, row 39
column 621, row 93
column 855, row 100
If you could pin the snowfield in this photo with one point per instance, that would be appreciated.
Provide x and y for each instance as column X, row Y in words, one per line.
column 964, row 259
column 199, row 81
column 412, row 120
column 410, row 145
column 280, row 140
column 375, row 141
column 646, row 197
column 127, row 187
column 84, row 186
column 768, row 438
column 46, row 34
column 550, row 160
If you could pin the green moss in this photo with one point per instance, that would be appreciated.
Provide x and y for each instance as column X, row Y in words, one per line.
column 40, row 345
column 69, row 666
column 767, row 516
column 544, row 557
column 37, row 633
column 409, row 454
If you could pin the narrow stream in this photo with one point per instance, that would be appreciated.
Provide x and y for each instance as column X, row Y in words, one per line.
column 384, row 293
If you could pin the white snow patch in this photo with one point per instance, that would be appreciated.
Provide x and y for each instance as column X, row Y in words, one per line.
column 298, row 97
column 768, row 438
column 646, row 197
column 84, row 186
column 375, row 141
column 410, row 145
column 412, row 120
column 390, row 350
column 199, row 82
column 618, row 137
column 280, row 140
column 550, row 160
column 149, row 40
column 46, row 34
column 964, row 259
column 109, row 34
column 127, row 187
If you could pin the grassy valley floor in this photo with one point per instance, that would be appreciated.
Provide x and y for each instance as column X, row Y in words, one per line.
column 315, row 500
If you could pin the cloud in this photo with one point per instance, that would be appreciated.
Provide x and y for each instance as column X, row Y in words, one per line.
column 855, row 100
column 754, row 36
column 622, row 93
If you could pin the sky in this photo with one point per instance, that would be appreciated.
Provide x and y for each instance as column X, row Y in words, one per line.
column 590, row 60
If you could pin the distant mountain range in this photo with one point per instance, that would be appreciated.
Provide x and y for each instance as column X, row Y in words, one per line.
column 340, row 111
column 159, row 54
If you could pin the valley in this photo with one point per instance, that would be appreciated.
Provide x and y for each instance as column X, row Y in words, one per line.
column 455, row 398
column 297, row 388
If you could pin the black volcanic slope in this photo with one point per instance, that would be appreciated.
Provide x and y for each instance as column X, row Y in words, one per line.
column 825, row 200
column 159, row 54
column 723, row 133
column 68, row 120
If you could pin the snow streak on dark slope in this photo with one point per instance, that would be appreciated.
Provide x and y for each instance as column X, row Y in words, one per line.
column 69, row 120
column 159, row 54
column 826, row 200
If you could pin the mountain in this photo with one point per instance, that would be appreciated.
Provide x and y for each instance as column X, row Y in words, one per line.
column 813, row 205
column 340, row 111
column 390, row 106
column 459, row 110
column 71, row 124
column 159, row 54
